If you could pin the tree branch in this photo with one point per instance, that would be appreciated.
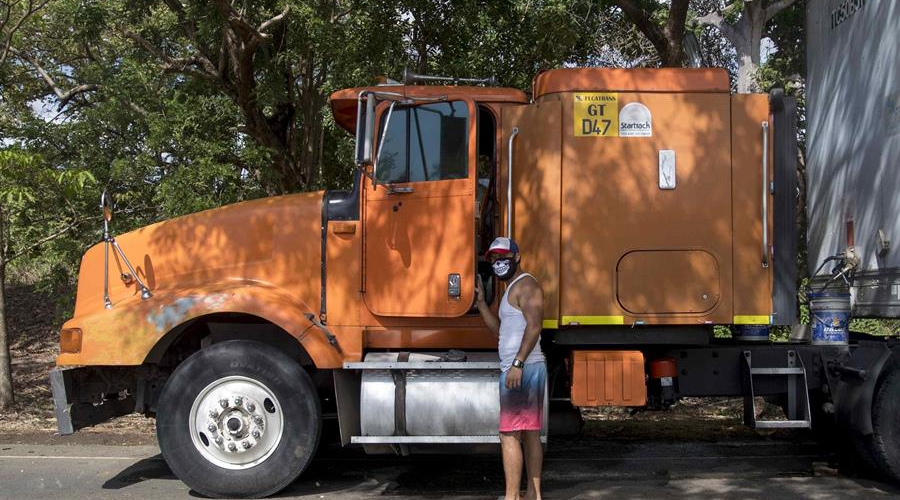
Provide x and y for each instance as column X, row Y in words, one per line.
column 7, row 44
column 718, row 21
column 647, row 27
column 277, row 19
column 775, row 7
column 45, row 239
column 185, row 65
column 64, row 96
column 204, row 57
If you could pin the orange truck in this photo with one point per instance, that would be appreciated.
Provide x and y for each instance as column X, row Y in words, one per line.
column 652, row 205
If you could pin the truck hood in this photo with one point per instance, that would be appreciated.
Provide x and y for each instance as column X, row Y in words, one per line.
column 271, row 241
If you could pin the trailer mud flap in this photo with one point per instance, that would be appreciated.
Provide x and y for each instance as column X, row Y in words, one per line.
column 76, row 411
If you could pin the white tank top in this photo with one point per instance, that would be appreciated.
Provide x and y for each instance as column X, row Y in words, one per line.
column 512, row 330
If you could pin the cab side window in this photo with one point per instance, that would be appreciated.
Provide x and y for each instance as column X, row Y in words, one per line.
column 428, row 142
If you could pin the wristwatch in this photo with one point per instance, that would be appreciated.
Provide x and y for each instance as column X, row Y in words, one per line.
column 517, row 363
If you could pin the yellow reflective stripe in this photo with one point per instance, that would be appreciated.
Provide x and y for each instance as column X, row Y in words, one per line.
column 551, row 323
column 751, row 319
column 593, row 320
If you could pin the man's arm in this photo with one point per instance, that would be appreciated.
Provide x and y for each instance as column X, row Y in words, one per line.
column 489, row 317
column 531, row 303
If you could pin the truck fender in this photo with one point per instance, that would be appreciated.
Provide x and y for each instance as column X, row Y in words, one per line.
column 266, row 302
column 139, row 332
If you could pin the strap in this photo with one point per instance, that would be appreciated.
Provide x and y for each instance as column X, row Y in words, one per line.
column 399, row 377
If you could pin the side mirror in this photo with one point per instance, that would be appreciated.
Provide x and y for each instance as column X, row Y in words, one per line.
column 365, row 129
column 106, row 205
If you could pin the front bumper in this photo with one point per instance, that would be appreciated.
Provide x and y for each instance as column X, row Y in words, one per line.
column 90, row 395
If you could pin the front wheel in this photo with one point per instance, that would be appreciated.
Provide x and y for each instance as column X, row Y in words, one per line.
column 238, row 419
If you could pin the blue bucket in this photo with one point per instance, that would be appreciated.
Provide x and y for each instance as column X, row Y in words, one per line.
column 752, row 333
column 830, row 312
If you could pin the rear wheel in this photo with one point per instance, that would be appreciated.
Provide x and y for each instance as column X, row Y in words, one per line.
column 238, row 419
column 885, row 440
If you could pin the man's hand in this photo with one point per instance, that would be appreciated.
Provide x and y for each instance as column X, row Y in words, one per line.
column 479, row 292
column 513, row 378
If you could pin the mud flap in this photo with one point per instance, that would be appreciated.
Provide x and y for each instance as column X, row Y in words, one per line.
column 75, row 411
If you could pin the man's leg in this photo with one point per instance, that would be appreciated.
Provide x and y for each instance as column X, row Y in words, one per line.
column 534, row 458
column 512, row 462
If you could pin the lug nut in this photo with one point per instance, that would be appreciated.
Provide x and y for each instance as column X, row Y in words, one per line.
column 251, row 407
column 238, row 401
column 213, row 413
column 255, row 434
column 246, row 445
column 257, row 419
column 223, row 403
column 219, row 440
column 211, row 427
column 232, row 447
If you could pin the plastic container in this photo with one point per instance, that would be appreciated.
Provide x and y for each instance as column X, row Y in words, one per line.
column 830, row 314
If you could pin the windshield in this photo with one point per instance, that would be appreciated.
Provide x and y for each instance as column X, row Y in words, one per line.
column 424, row 143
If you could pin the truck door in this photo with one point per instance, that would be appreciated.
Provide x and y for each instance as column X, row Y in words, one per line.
column 419, row 248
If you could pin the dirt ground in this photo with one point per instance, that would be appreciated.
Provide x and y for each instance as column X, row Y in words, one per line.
column 34, row 343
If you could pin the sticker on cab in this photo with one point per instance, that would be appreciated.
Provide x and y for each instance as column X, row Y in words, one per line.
column 596, row 114
column 635, row 121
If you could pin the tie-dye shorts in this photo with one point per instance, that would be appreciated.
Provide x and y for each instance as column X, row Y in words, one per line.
column 522, row 409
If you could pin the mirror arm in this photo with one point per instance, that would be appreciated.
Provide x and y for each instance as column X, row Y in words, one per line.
column 109, row 240
column 387, row 125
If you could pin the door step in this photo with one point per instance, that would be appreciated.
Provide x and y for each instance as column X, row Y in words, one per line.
column 794, row 375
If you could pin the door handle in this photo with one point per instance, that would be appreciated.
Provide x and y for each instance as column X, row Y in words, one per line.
column 765, row 194
column 401, row 190
column 509, row 183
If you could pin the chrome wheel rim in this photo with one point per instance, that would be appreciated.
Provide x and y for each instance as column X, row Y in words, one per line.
column 236, row 422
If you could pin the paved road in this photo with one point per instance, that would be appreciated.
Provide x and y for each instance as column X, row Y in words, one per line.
column 574, row 469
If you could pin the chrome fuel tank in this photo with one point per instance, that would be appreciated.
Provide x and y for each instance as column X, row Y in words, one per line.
column 422, row 400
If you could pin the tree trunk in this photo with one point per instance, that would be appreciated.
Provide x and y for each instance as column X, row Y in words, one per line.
column 7, row 396
column 746, row 36
column 751, row 25
column 667, row 39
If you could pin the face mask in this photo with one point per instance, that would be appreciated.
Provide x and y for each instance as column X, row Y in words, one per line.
column 504, row 268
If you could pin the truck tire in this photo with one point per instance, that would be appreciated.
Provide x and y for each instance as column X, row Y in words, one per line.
column 885, row 440
column 238, row 419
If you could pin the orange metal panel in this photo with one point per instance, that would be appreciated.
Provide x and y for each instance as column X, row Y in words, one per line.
column 343, row 276
column 421, row 337
column 646, row 280
column 412, row 245
column 752, row 281
column 260, row 257
column 537, row 177
column 695, row 80
column 612, row 204
column 608, row 378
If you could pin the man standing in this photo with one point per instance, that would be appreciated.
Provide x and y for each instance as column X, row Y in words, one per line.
column 524, row 373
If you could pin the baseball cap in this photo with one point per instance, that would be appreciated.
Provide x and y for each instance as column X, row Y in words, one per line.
column 502, row 244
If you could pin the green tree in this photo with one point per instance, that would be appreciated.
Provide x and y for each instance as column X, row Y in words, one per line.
column 38, row 204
